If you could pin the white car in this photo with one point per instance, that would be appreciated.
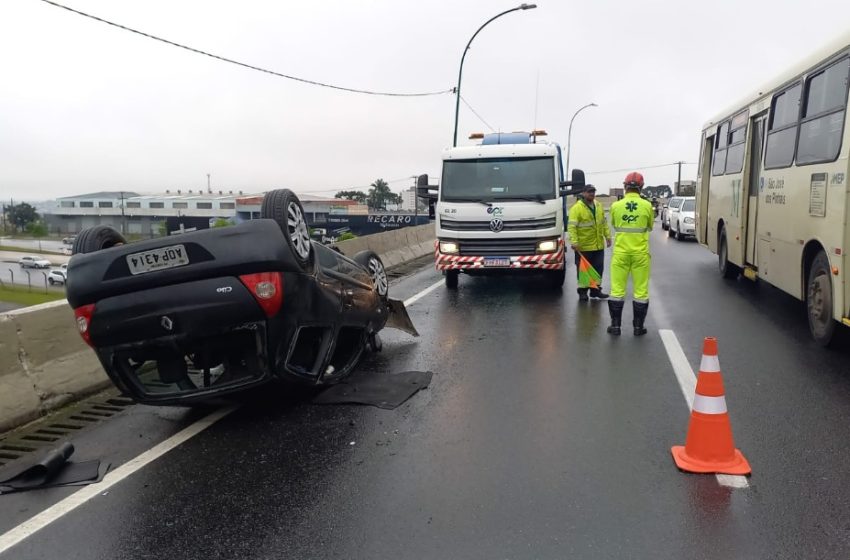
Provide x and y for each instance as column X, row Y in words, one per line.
column 57, row 276
column 672, row 206
column 33, row 262
column 682, row 222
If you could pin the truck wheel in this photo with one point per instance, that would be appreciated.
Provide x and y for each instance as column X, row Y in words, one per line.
column 451, row 279
column 727, row 269
column 283, row 206
column 97, row 238
column 557, row 277
column 819, row 301
column 375, row 267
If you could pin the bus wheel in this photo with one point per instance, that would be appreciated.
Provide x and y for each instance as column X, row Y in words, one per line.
column 727, row 269
column 819, row 301
column 451, row 279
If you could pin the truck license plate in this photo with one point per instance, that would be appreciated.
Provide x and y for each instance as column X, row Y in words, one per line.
column 157, row 259
column 497, row 261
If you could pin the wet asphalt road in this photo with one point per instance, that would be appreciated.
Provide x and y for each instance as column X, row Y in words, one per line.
column 540, row 437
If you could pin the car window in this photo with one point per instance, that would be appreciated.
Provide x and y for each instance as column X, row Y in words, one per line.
column 688, row 206
column 675, row 203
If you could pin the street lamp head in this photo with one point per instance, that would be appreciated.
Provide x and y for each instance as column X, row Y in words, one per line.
column 594, row 105
column 527, row 6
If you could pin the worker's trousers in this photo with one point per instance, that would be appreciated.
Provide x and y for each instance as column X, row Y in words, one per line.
column 636, row 264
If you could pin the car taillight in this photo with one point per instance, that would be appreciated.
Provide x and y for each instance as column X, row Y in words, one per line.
column 267, row 289
column 83, row 315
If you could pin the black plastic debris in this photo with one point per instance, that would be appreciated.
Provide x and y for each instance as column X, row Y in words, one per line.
column 382, row 390
column 54, row 469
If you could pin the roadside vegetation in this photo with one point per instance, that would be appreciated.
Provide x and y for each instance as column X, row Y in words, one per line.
column 21, row 296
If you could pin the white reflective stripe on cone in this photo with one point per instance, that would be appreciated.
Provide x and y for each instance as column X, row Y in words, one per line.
column 709, row 405
column 709, row 364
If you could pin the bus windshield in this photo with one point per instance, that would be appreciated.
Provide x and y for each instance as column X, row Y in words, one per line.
column 496, row 179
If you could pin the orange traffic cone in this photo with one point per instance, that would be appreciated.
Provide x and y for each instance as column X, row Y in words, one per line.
column 709, row 447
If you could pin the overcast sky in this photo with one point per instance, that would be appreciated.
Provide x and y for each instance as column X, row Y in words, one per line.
column 88, row 107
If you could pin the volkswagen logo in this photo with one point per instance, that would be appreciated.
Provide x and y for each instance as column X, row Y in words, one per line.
column 166, row 323
column 496, row 225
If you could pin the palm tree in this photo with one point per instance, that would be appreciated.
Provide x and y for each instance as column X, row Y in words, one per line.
column 380, row 194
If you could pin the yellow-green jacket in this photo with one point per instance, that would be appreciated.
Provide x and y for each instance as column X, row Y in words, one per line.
column 632, row 218
column 586, row 230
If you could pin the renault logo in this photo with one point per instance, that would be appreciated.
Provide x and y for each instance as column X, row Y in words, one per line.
column 496, row 225
column 166, row 323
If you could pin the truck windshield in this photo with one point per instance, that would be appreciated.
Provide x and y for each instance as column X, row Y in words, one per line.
column 495, row 179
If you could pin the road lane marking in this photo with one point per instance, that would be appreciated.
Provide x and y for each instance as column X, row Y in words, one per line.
column 80, row 497
column 688, row 384
column 413, row 299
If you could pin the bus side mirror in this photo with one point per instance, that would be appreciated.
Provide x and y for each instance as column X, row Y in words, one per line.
column 575, row 185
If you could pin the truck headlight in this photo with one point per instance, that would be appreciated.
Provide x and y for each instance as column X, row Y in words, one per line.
column 448, row 247
column 689, row 220
column 547, row 246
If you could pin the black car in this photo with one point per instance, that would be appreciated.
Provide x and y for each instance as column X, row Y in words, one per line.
column 181, row 319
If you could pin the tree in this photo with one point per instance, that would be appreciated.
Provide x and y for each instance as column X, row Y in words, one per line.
column 359, row 196
column 21, row 215
column 380, row 194
column 38, row 230
column 222, row 222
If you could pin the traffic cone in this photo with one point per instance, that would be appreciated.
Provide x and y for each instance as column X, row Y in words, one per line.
column 709, row 447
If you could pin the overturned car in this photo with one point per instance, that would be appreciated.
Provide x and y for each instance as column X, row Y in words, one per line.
column 181, row 319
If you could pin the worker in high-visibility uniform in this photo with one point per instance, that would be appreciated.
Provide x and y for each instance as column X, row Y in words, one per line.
column 631, row 219
column 590, row 235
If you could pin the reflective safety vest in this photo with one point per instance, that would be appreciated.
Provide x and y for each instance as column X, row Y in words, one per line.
column 587, row 230
column 632, row 218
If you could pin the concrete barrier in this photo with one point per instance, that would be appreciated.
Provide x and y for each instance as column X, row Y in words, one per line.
column 44, row 364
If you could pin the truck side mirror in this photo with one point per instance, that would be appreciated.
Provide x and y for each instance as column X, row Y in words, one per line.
column 576, row 182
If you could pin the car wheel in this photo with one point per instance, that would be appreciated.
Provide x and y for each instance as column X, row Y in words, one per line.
column 97, row 238
column 452, row 279
column 664, row 225
column 819, row 301
column 283, row 206
column 669, row 231
column 676, row 234
column 727, row 269
column 375, row 267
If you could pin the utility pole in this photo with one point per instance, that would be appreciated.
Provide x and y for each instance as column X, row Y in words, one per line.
column 123, row 226
column 209, row 189
column 679, row 182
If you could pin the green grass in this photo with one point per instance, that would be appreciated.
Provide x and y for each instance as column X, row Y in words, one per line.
column 21, row 296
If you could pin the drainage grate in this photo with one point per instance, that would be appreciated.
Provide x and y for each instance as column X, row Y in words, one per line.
column 61, row 425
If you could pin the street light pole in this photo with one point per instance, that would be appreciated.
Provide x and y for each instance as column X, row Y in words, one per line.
column 463, row 57
column 570, row 133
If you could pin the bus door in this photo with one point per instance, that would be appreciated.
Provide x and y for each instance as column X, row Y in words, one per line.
column 757, row 142
column 703, row 183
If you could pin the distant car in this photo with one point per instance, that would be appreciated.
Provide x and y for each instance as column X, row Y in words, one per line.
column 682, row 222
column 672, row 206
column 33, row 262
column 57, row 276
column 68, row 240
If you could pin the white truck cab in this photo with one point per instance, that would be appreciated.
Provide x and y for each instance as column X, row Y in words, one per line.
column 501, row 206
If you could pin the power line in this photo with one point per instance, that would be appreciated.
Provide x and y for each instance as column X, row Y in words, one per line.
column 249, row 66
column 337, row 189
column 639, row 167
column 465, row 102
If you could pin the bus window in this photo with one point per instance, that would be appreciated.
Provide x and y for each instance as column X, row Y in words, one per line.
column 721, row 140
column 782, row 134
column 735, row 153
column 823, row 114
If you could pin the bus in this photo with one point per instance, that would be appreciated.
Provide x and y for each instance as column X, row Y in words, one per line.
column 772, row 198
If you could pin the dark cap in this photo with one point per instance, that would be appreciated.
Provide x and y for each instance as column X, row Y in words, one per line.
column 589, row 188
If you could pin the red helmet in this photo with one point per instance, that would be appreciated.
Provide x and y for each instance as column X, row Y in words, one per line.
column 634, row 179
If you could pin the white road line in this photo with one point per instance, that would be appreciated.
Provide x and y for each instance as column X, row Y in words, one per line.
column 413, row 299
column 80, row 497
column 688, row 383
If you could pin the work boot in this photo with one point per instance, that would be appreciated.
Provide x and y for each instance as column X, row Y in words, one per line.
column 615, row 308
column 582, row 294
column 598, row 294
column 639, row 309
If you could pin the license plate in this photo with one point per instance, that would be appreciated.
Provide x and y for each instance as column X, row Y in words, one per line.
column 497, row 261
column 157, row 259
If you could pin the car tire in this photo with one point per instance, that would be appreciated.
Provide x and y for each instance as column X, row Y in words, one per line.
column 670, row 230
column 283, row 206
column 664, row 225
column 819, row 302
column 97, row 238
column 557, row 278
column 727, row 269
column 452, row 277
column 375, row 267
column 676, row 235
